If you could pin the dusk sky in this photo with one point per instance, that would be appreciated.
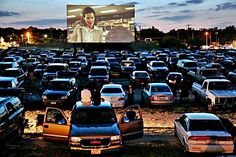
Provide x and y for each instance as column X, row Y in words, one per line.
column 162, row 14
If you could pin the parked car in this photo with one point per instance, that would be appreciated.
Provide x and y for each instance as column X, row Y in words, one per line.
column 127, row 66
column 157, row 94
column 140, row 78
column 18, row 73
column 93, row 129
column 99, row 74
column 39, row 70
column 158, row 69
column 61, row 92
column 12, row 118
column 113, row 93
column 6, row 65
column 203, row 133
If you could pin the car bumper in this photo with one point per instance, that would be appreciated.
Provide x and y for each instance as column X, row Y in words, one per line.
column 162, row 102
column 96, row 151
column 210, row 148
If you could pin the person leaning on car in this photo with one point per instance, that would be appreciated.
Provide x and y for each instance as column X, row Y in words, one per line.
column 87, row 31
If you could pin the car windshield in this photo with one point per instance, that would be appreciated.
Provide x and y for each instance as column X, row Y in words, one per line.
column 127, row 63
column 160, row 89
column 98, row 72
column 93, row 116
column 141, row 75
column 111, row 90
column 206, row 125
column 55, row 68
column 59, row 85
column 190, row 64
column 158, row 64
column 5, row 84
column 219, row 86
column 11, row 73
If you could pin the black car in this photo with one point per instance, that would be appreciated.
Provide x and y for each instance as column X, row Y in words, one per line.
column 62, row 92
column 12, row 118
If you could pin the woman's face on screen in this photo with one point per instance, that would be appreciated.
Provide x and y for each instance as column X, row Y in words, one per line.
column 89, row 19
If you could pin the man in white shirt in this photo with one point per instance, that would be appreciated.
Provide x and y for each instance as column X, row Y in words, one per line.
column 86, row 96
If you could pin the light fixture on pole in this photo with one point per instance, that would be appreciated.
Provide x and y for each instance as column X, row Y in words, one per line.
column 206, row 34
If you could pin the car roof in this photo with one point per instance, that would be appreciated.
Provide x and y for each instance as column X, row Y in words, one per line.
column 62, row 79
column 104, row 104
column 217, row 80
column 201, row 116
column 112, row 85
column 158, row 84
column 7, row 78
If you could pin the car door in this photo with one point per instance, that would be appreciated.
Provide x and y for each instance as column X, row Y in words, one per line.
column 181, row 128
column 131, row 123
column 56, row 126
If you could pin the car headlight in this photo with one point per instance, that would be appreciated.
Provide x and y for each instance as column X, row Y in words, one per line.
column 44, row 97
column 117, row 137
column 75, row 139
column 64, row 97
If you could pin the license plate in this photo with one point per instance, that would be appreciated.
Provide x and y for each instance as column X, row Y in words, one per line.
column 95, row 151
column 53, row 103
column 162, row 98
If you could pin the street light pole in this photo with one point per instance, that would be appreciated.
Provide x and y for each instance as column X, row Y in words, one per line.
column 206, row 33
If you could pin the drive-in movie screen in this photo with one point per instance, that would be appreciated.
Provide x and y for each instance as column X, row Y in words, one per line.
column 100, row 24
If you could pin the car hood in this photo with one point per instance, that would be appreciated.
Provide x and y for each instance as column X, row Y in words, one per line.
column 95, row 130
column 209, row 133
column 224, row 93
column 53, row 92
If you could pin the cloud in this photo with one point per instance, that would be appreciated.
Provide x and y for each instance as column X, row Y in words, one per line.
column 176, row 4
column 194, row 1
column 7, row 13
column 41, row 22
column 186, row 11
column 131, row 3
column 226, row 6
column 176, row 18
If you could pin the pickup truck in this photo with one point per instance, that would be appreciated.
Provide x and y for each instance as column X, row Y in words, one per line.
column 216, row 93
column 205, row 73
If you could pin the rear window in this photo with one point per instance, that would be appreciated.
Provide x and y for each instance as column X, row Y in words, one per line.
column 5, row 84
column 93, row 116
column 111, row 90
column 98, row 72
column 160, row 89
column 141, row 75
column 206, row 125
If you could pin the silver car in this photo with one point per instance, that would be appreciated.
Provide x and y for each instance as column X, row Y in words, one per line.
column 157, row 94
column 113, row 93
column 203, row 133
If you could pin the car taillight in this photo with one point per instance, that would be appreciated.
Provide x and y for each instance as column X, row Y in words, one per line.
column 198, row 138
column 152, row 98
column 224, row 138
column 121, row 99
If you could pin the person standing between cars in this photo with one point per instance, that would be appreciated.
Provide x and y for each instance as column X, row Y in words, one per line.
column 130, row 95
column 87, row 31
column 86, row 96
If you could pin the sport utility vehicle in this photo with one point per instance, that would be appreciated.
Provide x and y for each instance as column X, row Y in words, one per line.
column 12, row 118
column 93, row 128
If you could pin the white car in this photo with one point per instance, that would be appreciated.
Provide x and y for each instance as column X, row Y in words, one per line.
column 113, row 93
column 157, row 94
column 203, row 133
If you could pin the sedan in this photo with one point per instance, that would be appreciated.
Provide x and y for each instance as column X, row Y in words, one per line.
column 203, row 133
column 113, row 93
column 157, row 94
column 140, row 78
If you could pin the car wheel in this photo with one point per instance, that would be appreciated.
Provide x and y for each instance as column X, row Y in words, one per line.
column 209, row 106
